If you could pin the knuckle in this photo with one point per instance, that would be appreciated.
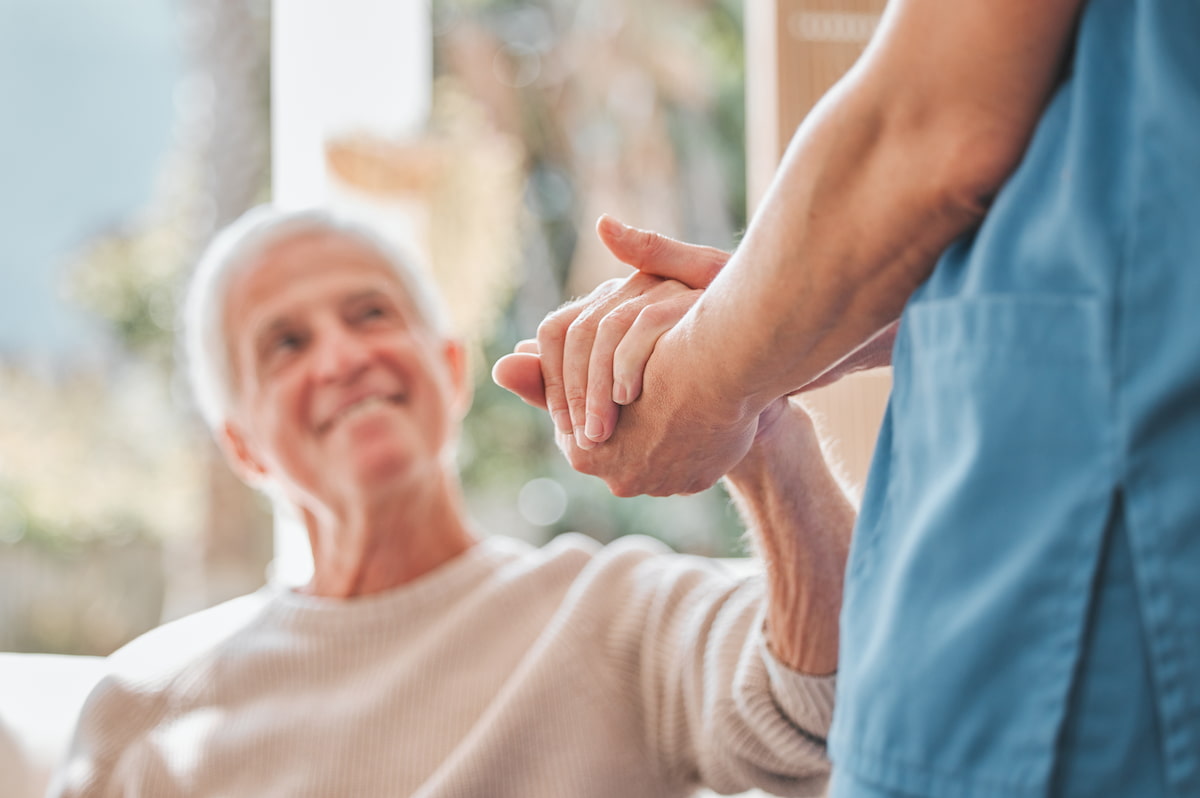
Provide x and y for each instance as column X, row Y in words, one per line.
column 553, row 327
column 657, row 314
column 581, row 462
column 582, row 326
column 608, row 286
column 667, row 289
column 622, row 488
column 618, row 319
column 596, row 296
column 599, row 398
column 641, row 283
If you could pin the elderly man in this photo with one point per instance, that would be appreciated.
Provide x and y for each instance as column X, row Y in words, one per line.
column 425, row 658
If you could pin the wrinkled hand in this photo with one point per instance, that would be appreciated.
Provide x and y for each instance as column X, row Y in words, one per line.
column 593, row 351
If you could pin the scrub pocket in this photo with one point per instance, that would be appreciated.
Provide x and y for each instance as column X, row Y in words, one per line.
column 972, row 567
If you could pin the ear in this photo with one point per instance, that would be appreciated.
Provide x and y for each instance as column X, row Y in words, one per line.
column 460, row 375
column 240, row 456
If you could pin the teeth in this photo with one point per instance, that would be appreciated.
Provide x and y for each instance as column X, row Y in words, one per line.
column 370, row 403
column 367, row 404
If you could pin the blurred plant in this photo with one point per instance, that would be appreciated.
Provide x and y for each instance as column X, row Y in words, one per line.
column 98, row 460
column 132, row 277
column 90, row 484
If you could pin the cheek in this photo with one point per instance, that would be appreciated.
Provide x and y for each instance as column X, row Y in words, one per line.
column 446, row 408
column 279, row 418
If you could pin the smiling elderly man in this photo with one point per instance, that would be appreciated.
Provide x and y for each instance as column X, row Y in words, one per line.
column 425, row 658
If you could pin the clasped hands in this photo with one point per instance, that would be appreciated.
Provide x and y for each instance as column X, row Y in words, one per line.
column 632, row 400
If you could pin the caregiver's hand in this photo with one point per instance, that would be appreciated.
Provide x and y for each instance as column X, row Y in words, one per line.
column 597, row 348
column 594, row 350
column 670, row 416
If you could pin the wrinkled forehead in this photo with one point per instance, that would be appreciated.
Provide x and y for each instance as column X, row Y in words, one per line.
column 279, row 283
column 306, row 262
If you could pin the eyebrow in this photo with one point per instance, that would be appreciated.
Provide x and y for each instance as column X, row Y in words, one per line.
column 400, row 300
column 366, row 293
column 263, row 333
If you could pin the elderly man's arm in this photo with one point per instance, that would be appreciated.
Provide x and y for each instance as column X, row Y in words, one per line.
column 736, row 681
column 733, row 679
column 801, row 522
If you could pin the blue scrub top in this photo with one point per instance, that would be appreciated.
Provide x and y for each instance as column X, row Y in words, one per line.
column 1047, row 376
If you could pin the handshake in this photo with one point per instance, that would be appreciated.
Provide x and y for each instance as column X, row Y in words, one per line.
column 645, row 378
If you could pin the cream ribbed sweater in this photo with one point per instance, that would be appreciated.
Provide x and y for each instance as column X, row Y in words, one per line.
column 571, row 670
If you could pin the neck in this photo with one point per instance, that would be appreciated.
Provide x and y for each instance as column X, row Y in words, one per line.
column 383, row 542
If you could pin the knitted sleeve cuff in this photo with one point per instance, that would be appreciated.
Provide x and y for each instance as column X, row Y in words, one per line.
column 807, row 700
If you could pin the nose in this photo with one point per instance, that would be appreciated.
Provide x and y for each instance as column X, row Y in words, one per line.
column 339, row 355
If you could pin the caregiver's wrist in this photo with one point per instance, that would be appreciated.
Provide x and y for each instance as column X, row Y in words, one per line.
column 739, row 364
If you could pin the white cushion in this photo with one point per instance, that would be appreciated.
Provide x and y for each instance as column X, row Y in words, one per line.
column 40, row 699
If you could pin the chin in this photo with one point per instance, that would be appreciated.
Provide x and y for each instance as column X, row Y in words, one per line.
column 387, row 465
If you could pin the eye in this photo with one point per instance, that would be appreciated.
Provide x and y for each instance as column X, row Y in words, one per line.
column 286, row 342
column 281, row 343
column 370, row 311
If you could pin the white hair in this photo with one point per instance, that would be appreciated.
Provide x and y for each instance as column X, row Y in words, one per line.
column 239, row 247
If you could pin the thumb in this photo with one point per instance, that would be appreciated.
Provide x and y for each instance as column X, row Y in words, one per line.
column 691, row 264
column 521, row 373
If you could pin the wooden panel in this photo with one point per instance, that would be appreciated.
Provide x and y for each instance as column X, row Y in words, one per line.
column 795, row 51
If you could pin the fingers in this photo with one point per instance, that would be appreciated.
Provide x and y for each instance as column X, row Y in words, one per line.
column 577, row 351
column 566, row 337
column 521, row 373
column 693, row 265
column 551, row 340
column 605, row 393
column 632, row 353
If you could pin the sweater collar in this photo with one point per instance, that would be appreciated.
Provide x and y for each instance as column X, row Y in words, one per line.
column 420, row 599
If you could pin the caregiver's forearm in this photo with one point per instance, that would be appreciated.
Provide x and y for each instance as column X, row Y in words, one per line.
column 901, row 158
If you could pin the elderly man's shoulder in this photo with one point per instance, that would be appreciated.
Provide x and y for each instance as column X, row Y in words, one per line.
column 160, row 654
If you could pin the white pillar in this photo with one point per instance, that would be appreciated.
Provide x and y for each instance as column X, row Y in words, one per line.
column 338, row 67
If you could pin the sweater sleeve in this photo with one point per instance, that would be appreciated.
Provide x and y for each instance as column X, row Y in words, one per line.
column 686, row 642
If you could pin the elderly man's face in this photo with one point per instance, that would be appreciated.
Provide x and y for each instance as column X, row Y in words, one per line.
column 340, row 389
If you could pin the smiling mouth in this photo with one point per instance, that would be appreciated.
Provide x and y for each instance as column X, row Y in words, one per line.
column 364, row 405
